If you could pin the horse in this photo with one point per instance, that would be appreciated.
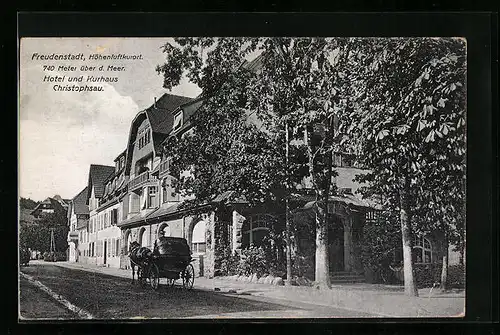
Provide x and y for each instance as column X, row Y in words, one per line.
column 139, row 256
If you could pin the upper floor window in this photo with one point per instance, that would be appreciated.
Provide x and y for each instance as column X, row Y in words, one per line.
column 343, row 160
column 152, row 196
column 144, row 138
column 178, row 120
column 114, row 216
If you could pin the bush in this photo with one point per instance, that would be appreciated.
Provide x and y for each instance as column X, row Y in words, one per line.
column 60, row 256
column 49, row 256
column 426, row 275
column 253, row 260
column 456, row 276
column 54, row 256
column 228, row 263
column 303, row 266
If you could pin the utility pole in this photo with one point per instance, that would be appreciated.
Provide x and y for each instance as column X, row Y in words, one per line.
column 52, row 245
column 288, row 281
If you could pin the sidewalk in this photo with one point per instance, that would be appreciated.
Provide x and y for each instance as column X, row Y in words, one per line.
column 380, row 300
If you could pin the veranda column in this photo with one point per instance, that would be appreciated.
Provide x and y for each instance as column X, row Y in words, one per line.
column 238, row 220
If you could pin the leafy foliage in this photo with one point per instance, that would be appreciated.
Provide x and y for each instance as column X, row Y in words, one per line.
column 37, row 236
column 381, row 240
column 27, row 203
column 253, row 261
column 398, row 104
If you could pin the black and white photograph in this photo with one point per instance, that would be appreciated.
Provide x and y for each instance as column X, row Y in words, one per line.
column 242, row 177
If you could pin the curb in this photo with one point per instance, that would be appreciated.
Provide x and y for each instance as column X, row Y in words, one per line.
column 75, row 309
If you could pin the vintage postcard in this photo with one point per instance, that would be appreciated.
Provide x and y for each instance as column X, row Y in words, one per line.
column 263, row 177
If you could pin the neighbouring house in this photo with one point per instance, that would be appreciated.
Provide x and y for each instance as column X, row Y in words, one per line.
column 96, row 246
column 110, row 212
column 78, row 218
column 50, row 206
column 143, row 167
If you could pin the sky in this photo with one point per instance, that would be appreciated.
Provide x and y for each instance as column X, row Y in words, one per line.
column 61, row 133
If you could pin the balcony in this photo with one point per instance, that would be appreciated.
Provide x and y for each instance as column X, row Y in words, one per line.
column 140, row 180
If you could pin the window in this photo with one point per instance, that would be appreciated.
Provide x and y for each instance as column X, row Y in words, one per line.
column 143, row 238
column 178, row 121
column 109, row 247
column 117, row 247
column 114, row 216
column 147, row 137
column 127, row 239
column 422, row 251
column 168, row 189
column 152, row 196
column 198, row 242
column 165, row 228
column 256, row 228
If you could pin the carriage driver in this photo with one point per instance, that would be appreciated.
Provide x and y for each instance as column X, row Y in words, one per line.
column 160, row 243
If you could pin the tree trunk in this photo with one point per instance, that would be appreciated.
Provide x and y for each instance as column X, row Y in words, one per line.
column 287, row 218
column 409, row 281
column 322, row 266
column 444, row 270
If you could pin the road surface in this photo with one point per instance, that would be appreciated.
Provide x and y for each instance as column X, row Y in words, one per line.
column 109, row 297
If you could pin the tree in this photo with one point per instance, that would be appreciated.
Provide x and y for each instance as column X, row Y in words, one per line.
column 37, row 236
column 27, row 203
column 298, row 83
column 408, row 120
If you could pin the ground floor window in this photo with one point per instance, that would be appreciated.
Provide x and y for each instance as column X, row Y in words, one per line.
column 143, row 238
column 198, row 241
column 255, row 228
column 117, row 247
column 422, row 250
column 127, row 240
column 165, row 228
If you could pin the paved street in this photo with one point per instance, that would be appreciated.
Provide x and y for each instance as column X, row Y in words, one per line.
column 37, row 304
column 108, row 297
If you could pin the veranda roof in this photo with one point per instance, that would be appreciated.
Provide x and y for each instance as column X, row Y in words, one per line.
column 347, row 199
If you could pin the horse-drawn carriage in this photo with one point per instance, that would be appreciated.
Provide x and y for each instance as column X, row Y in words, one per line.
column 170, row 259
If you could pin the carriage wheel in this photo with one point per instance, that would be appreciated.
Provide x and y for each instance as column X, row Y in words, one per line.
column 154, row 277
column 188, row 277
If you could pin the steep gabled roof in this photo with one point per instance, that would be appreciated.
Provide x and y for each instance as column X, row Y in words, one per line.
column 97, row 176
column 79, row 202
column 160, row 114
column 161, row 119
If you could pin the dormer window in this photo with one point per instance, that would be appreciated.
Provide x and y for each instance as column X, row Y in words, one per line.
column 178, row 120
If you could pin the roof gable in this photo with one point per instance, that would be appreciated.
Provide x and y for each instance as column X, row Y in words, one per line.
column 79, row 202
column 160, row 116
column 97, row 176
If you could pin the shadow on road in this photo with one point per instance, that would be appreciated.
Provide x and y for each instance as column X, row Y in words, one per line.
column 109, row 297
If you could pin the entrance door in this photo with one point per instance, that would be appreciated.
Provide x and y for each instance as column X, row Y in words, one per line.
column 105, row 250
column 336, row 244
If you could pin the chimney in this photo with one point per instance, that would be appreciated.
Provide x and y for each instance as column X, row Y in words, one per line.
column 155, row 103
